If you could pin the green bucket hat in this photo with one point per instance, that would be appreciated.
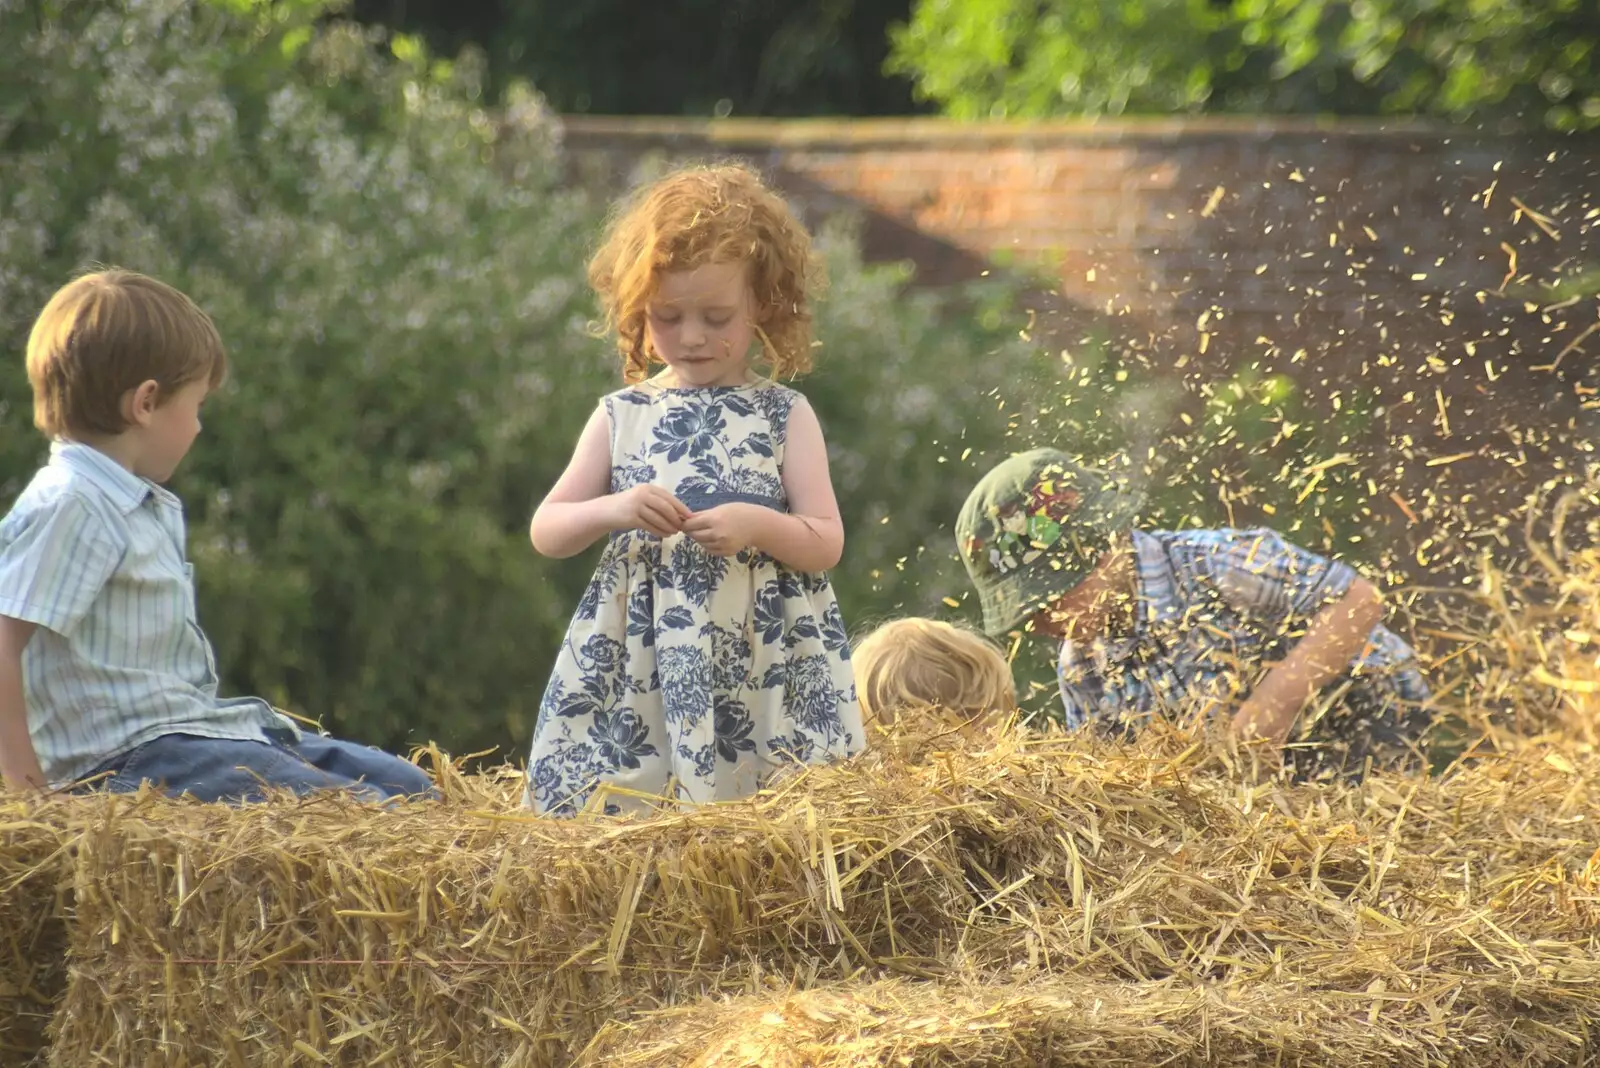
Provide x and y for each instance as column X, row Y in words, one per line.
column 1034, row 527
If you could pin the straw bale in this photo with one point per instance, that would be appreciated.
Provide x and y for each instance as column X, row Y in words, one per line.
column 324, row 931
column 1076, row 1021
column 1491, row 869
column 35, row 884
column 435, row 934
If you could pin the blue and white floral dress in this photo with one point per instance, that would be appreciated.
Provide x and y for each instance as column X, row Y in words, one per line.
column 682, row 670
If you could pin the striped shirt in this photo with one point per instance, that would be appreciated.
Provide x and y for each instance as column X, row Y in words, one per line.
column 1213, row 609
column 94, row 556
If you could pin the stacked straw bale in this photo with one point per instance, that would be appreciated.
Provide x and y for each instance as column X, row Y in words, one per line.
column 1045, row 901
column 35, row 877
column 1061, row 1022
column 434, row 935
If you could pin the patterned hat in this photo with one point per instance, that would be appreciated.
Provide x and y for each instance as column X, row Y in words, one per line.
column 1034, row 527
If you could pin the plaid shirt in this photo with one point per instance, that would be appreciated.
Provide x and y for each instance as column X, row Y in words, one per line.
column 1214, row 608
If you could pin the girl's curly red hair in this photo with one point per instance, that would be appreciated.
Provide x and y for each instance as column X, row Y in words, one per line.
column 699, row 215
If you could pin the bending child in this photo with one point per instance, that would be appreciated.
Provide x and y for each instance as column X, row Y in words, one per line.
column 105, row 674
column 1286, row 643
column 708, row 649
column 920, row 665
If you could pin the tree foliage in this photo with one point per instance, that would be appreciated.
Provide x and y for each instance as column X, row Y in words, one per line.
column 691, row 57
column 1535, row 61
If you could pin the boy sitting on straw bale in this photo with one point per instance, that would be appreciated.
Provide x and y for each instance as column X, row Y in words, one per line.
column 104, row 671
column 917, row 664
column 1187, row 624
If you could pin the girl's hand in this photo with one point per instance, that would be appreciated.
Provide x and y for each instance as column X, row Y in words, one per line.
column 725, row 529
column 650, row 508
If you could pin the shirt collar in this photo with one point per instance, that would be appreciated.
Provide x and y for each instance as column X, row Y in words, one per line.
column 125, row 489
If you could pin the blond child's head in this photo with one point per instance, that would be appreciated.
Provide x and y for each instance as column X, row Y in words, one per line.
column 704, row 230
column 102, row 337
column 920, row 664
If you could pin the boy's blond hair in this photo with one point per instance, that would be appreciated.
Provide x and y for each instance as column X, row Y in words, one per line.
column 697, row 216
column 924, row 663
column 109, row 332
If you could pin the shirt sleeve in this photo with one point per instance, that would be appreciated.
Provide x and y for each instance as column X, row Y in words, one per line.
column 54, row 561
column 1073, row 679
column 1261, row 574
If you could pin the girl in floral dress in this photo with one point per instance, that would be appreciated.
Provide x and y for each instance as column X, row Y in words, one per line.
column 708, row 650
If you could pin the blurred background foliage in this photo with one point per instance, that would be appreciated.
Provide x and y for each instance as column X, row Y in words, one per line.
column 379, row 224
column 1532, row 61
column 690, row 57
column 400, row 283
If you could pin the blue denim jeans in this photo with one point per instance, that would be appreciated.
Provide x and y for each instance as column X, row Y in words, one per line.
column 220, row 769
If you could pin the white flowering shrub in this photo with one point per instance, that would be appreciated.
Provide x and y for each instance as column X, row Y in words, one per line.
column 400, row 294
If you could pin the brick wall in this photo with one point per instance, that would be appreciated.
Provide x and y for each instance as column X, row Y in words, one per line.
column 1353, row 255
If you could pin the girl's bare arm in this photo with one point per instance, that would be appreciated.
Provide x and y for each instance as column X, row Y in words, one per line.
column 580, row 509
column 811, row 536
